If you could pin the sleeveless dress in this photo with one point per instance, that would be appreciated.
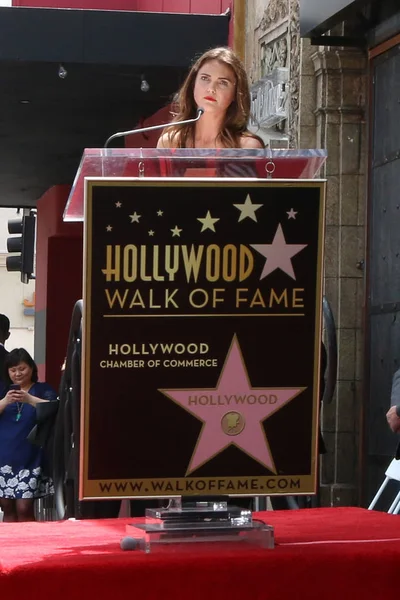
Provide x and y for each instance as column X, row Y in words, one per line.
column 21, row 473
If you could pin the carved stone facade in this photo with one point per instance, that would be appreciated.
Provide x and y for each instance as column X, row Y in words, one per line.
column 327, row 110
column 273, row 41
column 295, row 50
column 339, row 92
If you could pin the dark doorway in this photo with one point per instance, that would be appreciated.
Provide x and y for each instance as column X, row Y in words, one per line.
column 383, row 300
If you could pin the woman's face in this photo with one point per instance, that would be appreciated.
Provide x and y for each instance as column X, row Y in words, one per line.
column 21, row 374
column 214, row 86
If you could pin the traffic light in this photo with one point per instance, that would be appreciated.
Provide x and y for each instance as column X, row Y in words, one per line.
column 23, row 245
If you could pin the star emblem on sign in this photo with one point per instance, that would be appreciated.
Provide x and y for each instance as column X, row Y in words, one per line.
column 278, row 255
column 207, row 222
column 232, row 413
column 135, row 217
column 247, row 209
column 176, row 232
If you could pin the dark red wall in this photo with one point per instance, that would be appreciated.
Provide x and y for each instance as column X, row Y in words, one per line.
column 201, row 7
column 59, row 255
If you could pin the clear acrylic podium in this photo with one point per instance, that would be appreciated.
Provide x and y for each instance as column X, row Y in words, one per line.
column 159, row 163
column 205, row 519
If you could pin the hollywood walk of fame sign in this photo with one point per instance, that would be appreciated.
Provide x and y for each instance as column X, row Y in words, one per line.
column 202, row 335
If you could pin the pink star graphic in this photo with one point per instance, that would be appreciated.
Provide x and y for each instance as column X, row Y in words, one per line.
column 278, row 254
column 219, row 408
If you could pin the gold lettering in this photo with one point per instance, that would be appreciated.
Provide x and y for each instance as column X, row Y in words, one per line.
column 213, row 258
column 274, row 298
column 169, row 298
column 137, row 300
column 239, row 299
column 298, row 302
column 192, row 261
column 112, row 270
column 156, row 276
column 202, row 293
column 257, row 300
column 171, row 269
column 229, row 262
column 246, row 263
column 143, row 276
column 130, row 263
column 116, row 296
column 151, row 305
column 215, row 297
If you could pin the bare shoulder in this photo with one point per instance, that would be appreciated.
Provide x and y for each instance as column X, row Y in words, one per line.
column 164, row 141
column 248, row 141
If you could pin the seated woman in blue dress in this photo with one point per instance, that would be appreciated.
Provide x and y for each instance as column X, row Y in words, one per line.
column 21, row 473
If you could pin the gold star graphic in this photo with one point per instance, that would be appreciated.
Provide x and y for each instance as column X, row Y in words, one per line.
column 151, row 233
column 291, row 214
column 118, row 204
column 135, row 217
column 176, row 232
column 109, row 228
column 207, row 222
column 247, row 209
column 160, row 213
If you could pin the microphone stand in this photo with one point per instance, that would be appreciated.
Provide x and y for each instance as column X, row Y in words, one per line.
column 200, row 111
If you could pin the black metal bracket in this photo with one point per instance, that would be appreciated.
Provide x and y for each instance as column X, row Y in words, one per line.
column 339, row 40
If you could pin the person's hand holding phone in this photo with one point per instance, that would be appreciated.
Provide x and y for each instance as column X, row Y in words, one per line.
column 12, row 395
column 19, row 395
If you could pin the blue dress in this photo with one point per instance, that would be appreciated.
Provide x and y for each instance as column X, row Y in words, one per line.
column 21, row 474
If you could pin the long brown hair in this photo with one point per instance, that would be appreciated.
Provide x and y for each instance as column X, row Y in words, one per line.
column 237, row 114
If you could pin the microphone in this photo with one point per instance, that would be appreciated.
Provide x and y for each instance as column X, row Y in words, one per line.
column 200, row 111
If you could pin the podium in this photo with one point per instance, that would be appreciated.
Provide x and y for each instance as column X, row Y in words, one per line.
column 149, row 162
column 201, row 322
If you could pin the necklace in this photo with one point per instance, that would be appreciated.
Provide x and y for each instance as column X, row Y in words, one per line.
column 20, row 407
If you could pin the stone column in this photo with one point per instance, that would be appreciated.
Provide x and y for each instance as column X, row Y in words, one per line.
column 332, row 116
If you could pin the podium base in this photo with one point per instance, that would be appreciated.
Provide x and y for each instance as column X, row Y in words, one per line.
column 197, row 523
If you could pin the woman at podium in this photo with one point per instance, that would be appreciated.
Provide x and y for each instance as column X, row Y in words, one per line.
column 218, row 85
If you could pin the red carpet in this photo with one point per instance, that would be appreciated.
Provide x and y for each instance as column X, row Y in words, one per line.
column 333, row 553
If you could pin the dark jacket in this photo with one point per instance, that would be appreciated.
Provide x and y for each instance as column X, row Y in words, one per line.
column 3, row 354
column 395, row 400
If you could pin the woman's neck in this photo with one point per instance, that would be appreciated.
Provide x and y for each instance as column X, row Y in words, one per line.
column 207, row 131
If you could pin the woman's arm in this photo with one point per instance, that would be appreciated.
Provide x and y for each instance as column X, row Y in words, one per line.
column 45, row 394
column 33, row 400
column 9, row 398
column 26, row 398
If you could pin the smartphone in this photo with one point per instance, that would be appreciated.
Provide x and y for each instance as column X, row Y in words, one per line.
column 15, row 386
